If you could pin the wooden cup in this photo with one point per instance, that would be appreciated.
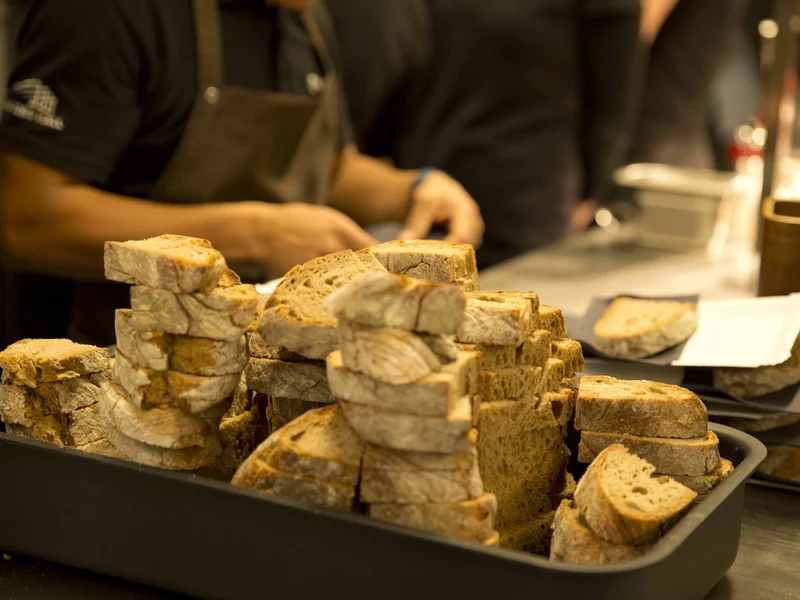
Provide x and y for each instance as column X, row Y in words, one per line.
column 780, row 248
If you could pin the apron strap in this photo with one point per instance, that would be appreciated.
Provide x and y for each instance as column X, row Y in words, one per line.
column 318, row 41
column 208, row 41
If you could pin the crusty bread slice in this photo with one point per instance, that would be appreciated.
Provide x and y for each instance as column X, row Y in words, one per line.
column 752, row 383
column 259, row 348
column 47, row 428
column 623, row 503
column 184, row 459
column 493, row 541
column 194, row 393
column 521, row 453
column 171, row 262
column 574, row 542
column 369, row 260
column 319, row 445
column 384, row 300
column 282, row 411
column 493, row 357
column 305, row 381
column 782, row 462
column 552, row 374
column 402, row 431
column 535, row 350
column 552, row 320
column 434, row 395
column 72, row 394
column 571, row 353
column 102, row 447
column 564, row 490
column 420, row 487
column 635, row 328
column 19, row 405
column 378, row 458
column 85, row 425
column 431, row 260
column 237, row 437
column 257, row 474
column 532, row 536
column 696, row 456
column 506, row 384
column 702, row 484
column 562, row 405
column 29, row 362
column 170, row 428
column 572, row 384
column 393, row 355
column 195, row 355
column 469, row 519
column 296, row 317
column 221, row 314
column 497, row 320
column 644, row 408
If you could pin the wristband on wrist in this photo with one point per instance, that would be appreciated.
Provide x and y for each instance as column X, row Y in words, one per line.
column 422, row 174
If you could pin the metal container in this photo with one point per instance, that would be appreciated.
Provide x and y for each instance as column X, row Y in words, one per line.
column 213, row 541
column 680, row 206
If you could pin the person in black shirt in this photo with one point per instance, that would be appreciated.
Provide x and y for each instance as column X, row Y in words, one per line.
column 525, row 102
column 221, row 119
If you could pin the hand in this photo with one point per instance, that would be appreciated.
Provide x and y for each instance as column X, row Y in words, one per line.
column 440, row 200
column 294, row 233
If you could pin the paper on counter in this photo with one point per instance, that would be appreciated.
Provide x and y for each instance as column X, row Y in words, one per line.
column 745, row 333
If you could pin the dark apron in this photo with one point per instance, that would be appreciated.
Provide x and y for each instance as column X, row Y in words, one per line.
column 239, row 144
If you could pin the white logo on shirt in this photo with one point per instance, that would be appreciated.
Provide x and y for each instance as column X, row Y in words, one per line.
column 39, row 106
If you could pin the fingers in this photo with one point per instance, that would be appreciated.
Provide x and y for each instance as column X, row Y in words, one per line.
column 466, row 227
column 420, row 221
column 354, row 237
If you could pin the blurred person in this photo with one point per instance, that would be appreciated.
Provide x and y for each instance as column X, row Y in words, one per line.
column 221, row 119
column 525, row 102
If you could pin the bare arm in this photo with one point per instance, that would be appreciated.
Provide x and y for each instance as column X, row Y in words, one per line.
column 372, row 192
column 53, row 223
column 654, row 14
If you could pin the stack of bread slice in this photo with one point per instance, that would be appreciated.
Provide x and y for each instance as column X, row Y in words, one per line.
column 315, row 459
column 50, row 391
column 430, row 260
column 181, row 350
column 295, row 334
column 664, row 424
column 528, row 371
column 411, row 394
column 620, row 510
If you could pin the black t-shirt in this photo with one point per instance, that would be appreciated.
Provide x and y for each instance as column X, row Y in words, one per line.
column 102, row 89
column 520, row 100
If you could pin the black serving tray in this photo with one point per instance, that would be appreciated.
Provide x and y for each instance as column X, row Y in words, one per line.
column 213, row 541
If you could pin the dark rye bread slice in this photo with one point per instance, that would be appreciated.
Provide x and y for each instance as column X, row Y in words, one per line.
column 176, row 263
column 531, row 536
column 694, row 456
column 296, row 317
column 574, row 541
column 31, row 361
column 384, row 300
column 624, row 504
column 645, row 408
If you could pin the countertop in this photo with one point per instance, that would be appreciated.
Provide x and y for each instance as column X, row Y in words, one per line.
column 566, row 276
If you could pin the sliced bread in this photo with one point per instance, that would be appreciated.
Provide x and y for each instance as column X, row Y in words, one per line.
column 393, row 355
column 532, row 536
column 434, row 395
column 635, row 328
column 469, row 519
column 696, row 456
column 623, row 503
column 257, row 474
column 493, row 357
column 702, row 484
column 431, row 260
column 752, row 383
column 495, row 320
column 552, row 374
column 260, row 348
column 380, row 299
column 149, row 349
column 319, row 445
column 378, row 458
column 170, row 428
column 296, row 317
column 221, row 314
column 282, row 411
column 645, row 408
column 29, row 362
column 402, row 431
column 571, row 353
column 574, row 542
column 535, row 350
column 69, row 395
column 172, row 262
column 19, row 405
column 518, row 382
column 281, row 379
column 552, row 320
column 85, row 425
column 420, row 487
